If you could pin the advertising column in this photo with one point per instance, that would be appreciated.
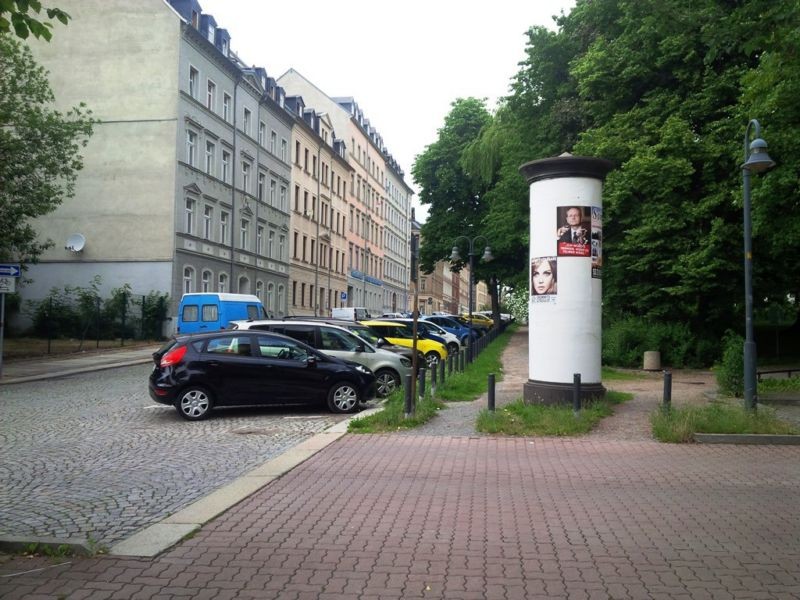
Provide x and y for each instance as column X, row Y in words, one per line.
column 566, row 268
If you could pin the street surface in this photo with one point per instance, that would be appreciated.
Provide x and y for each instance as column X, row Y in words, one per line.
column 92, row 457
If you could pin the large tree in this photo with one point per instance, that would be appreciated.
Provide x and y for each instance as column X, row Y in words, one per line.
column 39, row 147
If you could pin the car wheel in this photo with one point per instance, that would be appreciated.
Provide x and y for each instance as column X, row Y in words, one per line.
column 452, row 348
column 343, row 398
column 432, row 358
column 195, row 403
column 388, row 381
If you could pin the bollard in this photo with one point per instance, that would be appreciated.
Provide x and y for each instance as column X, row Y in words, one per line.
column 667, row 402
column 423, row 372
column 491, row 392
column 576, row 394
column 450, row 364
column 409, row 399
column 441, row 371
column 462, row 362
column 434, row 371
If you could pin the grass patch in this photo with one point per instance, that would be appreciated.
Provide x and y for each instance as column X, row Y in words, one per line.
column 680, row 424
column 609, row 374
column 520, row 419
column 392, row 417
column 789, row 384
column 466, row 386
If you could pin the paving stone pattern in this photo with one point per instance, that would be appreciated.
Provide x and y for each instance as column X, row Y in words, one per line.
column 91, row 455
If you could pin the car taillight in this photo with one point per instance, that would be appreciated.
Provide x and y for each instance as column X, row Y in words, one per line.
column 173, row 357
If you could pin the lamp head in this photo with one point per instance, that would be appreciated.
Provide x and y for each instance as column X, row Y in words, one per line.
column 487, row 254
column 758, row 161
column 455, row 256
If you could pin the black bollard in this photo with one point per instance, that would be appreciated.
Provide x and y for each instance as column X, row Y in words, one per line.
column 441, row 371
column 434, row 372
column 409, row 398
column 450, row 364
column 423, row 373
column 491, row 392
column 667, row 402
column 576, row 394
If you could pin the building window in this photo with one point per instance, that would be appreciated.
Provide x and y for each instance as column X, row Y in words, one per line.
column 260, row 291
column 282, row 248
column 262, row 180
column 305, row 240
column 211, row 157
column 223, row 227
column 271, row 244
column 194, row 77
column 188, row 280
column 297, row 153
column 206, row 282
column 294, row 246
column 222, row 284
column 305, row 160
column 211, row 95
column 226, row 166
column 244, row 285
column 208, row 219
column 191, row 147
column 262, row 132
column 226, row 106
column 189, row 222
column 284, row 202
column 281, row 300
column 272, row 185
column 284, row 150
column 273, row 142
column 246, row 176
column 271, row 297
column 243, row 227
column 260, row 240
column 247, row 118
column 302, row 294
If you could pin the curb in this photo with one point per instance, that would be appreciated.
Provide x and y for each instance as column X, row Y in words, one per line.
column 746, row 438
column 55, row 546
column 75, row 371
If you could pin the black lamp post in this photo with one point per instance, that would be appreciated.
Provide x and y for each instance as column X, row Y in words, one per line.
column 756, row 160
column 455, row 257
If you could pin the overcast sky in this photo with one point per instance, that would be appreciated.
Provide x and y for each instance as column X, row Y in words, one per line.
column 403, row 62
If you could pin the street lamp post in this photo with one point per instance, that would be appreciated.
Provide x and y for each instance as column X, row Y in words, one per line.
column 455, row 257
column 367, row 254
column 756, row 160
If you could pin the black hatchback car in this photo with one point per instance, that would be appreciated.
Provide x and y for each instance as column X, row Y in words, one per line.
column 195, row 373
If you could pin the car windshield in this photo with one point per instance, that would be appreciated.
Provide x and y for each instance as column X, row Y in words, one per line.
column 366, row 333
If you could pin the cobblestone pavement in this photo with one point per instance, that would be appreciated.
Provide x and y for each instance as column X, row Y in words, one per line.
column 435, row 515
column 90, row 455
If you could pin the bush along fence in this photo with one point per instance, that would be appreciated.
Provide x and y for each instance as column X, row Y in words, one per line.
column 81, row 313
column 432, row 381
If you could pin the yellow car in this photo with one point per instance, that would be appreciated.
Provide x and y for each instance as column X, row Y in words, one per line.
column 480, row 322
column 400, row 334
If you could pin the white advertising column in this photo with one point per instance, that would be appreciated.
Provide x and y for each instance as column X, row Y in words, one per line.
column 565, row 277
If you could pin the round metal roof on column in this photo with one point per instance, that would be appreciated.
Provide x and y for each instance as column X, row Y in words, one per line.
column 566, row 165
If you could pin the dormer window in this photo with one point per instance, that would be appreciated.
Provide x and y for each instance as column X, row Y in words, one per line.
column 225, row 47
column 195, row 19
column 210, row 33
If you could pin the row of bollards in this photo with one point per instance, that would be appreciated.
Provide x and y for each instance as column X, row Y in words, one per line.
column 443, row 369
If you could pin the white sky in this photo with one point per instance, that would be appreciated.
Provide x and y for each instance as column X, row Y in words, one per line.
column 403, row 62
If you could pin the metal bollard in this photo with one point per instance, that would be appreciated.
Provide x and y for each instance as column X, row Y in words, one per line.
column 441, row 371
column 421, row 384
column 667, row 401
column 462, row 362
column 576, row 394
column 409, row 399
column 491, row 392
column 434, row 371
column 450, row 364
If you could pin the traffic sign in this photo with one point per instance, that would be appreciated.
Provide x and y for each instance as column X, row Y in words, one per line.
column 10, row 271
column 344, row 295
column 8, row 285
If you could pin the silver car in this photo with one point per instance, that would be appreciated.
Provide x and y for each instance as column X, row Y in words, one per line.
column 390, row 368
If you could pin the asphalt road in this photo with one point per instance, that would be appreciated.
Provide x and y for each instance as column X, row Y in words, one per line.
column 92, row 457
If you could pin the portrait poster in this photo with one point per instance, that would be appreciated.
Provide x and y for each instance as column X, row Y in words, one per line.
column 573, row 230
column 597, row 242
column 544, row 279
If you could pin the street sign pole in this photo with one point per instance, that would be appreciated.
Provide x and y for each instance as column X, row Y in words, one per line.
column 2, row 326
column 8, row 284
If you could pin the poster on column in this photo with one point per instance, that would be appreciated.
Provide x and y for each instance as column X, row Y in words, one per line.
column 573, row 230
column 597, row 242
column 544, row 279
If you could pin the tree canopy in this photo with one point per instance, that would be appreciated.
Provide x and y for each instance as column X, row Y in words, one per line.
column 665, row 91
column 40, row 148
column 17, row 15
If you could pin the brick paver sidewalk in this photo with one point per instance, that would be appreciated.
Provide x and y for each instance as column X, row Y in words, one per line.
column 467, row 516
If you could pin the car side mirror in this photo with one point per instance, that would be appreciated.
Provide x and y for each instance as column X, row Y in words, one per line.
column 311, row 361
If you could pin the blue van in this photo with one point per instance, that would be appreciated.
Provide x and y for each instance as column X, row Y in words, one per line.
column 212, row 312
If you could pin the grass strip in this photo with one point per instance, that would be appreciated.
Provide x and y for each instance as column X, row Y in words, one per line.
column 788, row 384
column 520, row 419
column 609, row 374
column 680, row 424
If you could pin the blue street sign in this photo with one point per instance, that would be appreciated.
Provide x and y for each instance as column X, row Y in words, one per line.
column 344, row 295
column 10, row 271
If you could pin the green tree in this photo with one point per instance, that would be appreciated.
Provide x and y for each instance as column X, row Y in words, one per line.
column 16, row 14
column 40, row 149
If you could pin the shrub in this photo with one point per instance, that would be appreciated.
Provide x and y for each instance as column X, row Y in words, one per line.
column 730, row 370
column 626, row 340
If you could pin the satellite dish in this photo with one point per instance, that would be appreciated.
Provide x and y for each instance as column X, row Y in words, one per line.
column 75, row 242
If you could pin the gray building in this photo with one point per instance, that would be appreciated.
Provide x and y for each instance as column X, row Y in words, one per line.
column 186, row 180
